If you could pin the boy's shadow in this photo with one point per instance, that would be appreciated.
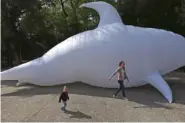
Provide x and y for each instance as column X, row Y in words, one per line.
column 78, row 114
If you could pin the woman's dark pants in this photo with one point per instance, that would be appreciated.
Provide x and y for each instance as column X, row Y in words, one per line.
column 121, row 87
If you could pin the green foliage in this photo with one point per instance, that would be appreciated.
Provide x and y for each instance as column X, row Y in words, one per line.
column 32, row 27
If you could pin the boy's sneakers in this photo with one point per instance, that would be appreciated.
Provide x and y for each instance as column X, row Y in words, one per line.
column 63, row 109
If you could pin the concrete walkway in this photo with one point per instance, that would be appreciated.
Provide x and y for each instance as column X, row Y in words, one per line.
column 88, row 103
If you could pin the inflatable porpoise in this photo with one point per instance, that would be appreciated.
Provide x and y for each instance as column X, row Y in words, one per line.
column 92, row 56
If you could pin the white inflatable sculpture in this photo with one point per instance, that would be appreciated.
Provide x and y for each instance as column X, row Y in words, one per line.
column 92, row 56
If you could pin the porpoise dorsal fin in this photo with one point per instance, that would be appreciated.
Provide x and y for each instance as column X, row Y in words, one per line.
column 108, row 14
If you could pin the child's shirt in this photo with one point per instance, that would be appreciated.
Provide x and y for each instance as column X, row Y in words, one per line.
column 64, row 96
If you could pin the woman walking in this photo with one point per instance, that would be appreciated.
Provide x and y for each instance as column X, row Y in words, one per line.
column 121, row 76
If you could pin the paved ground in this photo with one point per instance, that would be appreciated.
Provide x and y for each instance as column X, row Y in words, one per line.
column 88, row 103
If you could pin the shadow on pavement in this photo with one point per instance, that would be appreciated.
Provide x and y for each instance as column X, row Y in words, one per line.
column 78, row 114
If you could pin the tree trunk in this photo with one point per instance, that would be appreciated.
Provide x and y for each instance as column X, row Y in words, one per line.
column 17, row 59
column 20, row 54
column 63, row 9
column 75, row 15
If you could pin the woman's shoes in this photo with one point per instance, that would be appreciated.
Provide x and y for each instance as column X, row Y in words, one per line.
column 125, row 98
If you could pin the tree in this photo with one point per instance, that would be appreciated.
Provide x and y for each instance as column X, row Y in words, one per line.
column 32, row 27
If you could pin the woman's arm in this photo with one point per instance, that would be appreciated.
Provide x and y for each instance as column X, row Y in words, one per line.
column 113, row 74
column 126, row 77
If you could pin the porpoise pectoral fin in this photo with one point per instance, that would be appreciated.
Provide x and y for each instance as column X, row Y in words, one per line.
column 159, row 83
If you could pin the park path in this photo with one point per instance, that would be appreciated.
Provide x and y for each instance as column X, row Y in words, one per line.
column 88, row 103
